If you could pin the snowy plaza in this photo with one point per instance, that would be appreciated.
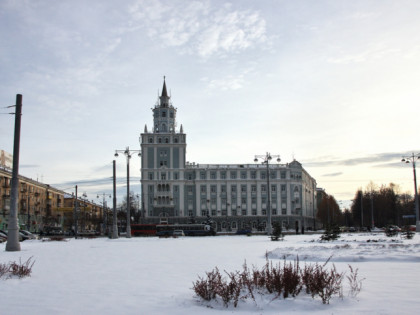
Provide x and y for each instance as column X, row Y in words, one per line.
column 155, row 275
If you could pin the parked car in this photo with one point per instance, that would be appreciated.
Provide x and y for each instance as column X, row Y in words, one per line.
column 394, row 228
column 4, row 234
column 51, row 231
column 28, row 235
column 178, row 233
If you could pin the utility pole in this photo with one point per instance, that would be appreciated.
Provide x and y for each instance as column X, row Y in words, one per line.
column 13, row 244
column 114, row 205
column 75, row 215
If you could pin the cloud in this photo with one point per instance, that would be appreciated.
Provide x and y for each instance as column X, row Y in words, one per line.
column 29, row 165
column 333, row 174
column 380, row 160
column 198, row 28
column 95, row 182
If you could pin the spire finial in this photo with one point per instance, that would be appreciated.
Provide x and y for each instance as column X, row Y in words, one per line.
column 164, row 91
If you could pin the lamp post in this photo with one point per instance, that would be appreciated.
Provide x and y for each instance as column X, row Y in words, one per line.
column 412, row 159
column 83, row 219
column 75, row 209
column 127, row 152
column 266, row 160
column 104, row 220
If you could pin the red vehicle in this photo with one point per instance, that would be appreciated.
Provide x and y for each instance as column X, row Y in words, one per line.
column 143, row 229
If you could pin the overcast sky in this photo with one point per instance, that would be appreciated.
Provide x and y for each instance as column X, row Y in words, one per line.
column 333, row 84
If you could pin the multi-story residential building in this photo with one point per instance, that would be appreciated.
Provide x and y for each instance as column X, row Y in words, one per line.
column 37, row 203
column 40, row 205
column 235, row 196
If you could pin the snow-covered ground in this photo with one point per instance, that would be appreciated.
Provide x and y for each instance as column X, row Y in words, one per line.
column 155, row 275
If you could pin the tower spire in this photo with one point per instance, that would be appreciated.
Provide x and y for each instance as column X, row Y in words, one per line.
column 164, row 91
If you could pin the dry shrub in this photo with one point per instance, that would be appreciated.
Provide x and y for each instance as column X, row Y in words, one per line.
column 17, row 269
column 322, row 282
column 355, row 282
column 4, row 269
column 281, row 280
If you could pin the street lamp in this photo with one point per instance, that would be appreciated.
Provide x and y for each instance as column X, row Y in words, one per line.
column 412, row 159
column 127, row 152
column 104, row 216
column 266, row 160
column 84, row 199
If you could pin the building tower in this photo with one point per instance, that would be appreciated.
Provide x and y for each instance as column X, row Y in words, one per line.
column 163, row 158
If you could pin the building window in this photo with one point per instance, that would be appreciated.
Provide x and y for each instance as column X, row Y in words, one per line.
column 273, row 188
column 150, row 176
column 166, row 140
column 150, row 140
column 223, row 189
column 273, row 175
column 213, row 189
column 163, row 176
column 263, row 188
column 223, row 175
column 253, row 189
column 163, row 114
column 283, row 175
column 189, row 189
column 233, row 188
column 234, row 226
column 202, row 175
column 253, row 174
column 213, row 175
column 176, row 175
column 233, row 174
column 243, row 188
column 203, row 189
column 243, row 175
column 254, row 211
column 176, row 140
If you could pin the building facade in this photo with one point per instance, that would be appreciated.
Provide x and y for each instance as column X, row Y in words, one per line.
column 41, row 205
column 234, row 196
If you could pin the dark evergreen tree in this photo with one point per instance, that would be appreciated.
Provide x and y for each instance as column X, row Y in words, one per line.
column 332, row 232
column 277, row 233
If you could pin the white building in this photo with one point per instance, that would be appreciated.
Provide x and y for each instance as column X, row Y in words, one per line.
column 235, row 196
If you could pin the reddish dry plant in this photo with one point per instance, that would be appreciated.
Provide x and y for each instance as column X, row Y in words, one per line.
column 321, row 282
column 4, row 269
column 282, row 280
column 17, row 269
